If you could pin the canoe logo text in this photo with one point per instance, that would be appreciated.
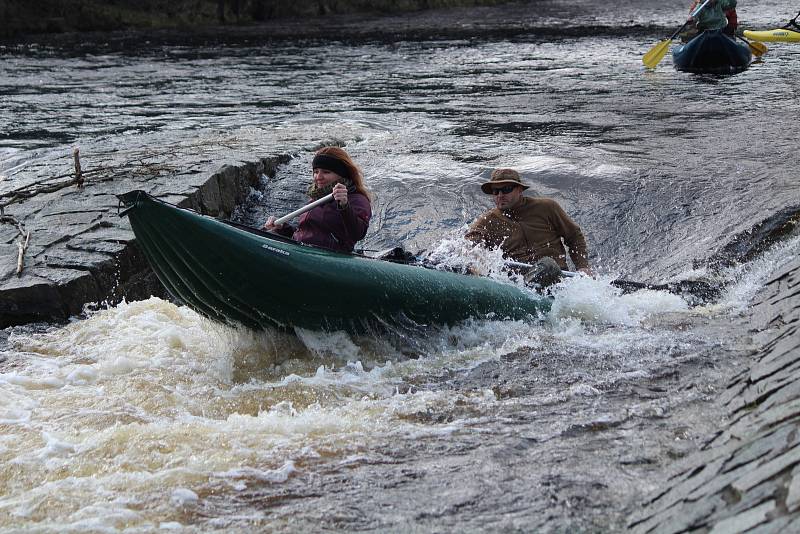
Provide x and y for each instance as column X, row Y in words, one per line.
column 273, row 249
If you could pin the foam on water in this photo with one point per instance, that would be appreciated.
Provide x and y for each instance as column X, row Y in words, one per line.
column 140, row 400
column 148, row 401
column 590, row 299
column 596, row 301
column 746, row 279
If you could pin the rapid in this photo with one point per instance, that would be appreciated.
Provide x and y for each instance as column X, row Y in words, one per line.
column 145, row 416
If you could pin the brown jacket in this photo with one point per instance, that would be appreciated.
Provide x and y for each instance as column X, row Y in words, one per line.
column 532, row 230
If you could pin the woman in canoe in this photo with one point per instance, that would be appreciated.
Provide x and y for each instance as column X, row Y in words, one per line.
column 339, row 224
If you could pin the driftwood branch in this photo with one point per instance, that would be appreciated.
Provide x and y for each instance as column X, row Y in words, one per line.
column 78, row 177
column 46, row 185
column 50, row 185
column 24, row 239
column 22, row 193
column 138, row 164
column 22, row 247
column 76, row 156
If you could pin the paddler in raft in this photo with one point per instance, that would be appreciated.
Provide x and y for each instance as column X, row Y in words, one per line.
column 717, row 15
column 529, row 230
column 335, row 225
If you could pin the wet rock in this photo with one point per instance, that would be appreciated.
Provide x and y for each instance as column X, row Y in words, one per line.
column 29, row 299
column 96, row 245
column 745, row 520
column 747, row 245
column 793, row 497
column 8, row 261
column 747, row 476
column 81, row 252
column 768, row 470
column 8, row 233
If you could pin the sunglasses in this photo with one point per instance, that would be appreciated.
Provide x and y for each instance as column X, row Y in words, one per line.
column 505, row 190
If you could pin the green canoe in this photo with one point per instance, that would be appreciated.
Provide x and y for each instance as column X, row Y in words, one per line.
column 241, row 276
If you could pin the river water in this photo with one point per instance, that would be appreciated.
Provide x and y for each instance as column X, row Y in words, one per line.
column 145, row 416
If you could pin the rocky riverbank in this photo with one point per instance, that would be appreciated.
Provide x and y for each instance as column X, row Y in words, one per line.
column 80, row 251
column 747, row 475
column 59, row 16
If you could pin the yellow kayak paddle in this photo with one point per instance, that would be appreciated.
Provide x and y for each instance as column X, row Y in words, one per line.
column 758, row 49
column 654, row 56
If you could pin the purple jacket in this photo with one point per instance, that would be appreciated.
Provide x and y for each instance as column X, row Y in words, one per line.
column 333, row 228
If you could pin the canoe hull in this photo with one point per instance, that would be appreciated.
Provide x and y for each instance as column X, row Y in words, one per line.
column 774, row 36
column 712, row 52
column 244, row 277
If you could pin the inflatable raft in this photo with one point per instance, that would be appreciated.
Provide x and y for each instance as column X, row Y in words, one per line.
column 712, row 52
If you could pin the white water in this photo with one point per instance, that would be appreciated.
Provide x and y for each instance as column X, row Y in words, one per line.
column 146, row 415
column 137, row 415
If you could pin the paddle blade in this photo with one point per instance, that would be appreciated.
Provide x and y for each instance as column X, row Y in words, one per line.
column 758, row 49
column 654, row 56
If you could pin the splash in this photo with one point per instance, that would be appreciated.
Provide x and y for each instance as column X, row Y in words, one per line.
column 150, row 402
column 139, row 403
column 747, row 279
column 456, row 253
column 596, row 301
column 582, row 298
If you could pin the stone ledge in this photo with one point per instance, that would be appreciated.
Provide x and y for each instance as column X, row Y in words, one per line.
column 748, row 476
column 82, row 252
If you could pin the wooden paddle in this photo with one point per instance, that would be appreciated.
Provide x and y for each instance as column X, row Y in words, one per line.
column 654, row 56
column 758, row 49
column 698, row 288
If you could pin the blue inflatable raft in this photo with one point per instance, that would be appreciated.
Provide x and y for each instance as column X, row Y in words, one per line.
column 712, row 52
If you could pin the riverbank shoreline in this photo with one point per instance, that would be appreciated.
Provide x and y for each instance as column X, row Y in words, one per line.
column 507, row 20
column 64, row 16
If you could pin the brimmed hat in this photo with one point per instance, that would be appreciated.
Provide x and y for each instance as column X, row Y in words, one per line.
column 503, row 177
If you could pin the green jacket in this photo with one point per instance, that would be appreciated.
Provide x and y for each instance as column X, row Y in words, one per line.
column 712, row 17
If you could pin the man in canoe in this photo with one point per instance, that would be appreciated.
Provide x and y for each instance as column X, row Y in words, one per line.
column 529, row 229
column 339, row 224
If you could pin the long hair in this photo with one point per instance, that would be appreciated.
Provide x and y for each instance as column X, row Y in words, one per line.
column 355, row 173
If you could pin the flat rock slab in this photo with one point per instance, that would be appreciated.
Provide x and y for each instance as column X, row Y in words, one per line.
column 748, row 477
column 81, row 251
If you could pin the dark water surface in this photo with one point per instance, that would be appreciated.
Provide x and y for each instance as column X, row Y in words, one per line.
column 146, row 416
